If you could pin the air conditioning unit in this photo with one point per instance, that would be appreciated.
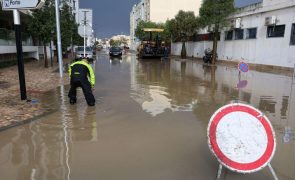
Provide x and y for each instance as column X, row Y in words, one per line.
column 272, row 20
column 236, row 23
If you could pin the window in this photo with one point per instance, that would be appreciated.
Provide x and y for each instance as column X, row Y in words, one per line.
column 292, row 42
column 239, row 34
column 251, row 33
column 276, row 31
column 204, row 37
column 229, row 35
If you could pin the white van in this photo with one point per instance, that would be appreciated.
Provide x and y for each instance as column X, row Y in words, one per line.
column 88, row 52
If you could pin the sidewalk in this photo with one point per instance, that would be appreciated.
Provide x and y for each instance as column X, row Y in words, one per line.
column 39, row 80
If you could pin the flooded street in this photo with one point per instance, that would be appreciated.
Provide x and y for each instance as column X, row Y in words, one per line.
column 149, row 123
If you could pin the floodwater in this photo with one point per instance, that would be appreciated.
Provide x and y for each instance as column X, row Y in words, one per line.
column 149, row 123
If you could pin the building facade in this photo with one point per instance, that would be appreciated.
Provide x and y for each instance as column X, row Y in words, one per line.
column 158, row 11
column 86, row 14
column 31, row 49
column 261, row 33
column 7, row 38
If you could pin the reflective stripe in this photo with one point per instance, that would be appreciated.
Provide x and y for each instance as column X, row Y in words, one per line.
column 91, row 73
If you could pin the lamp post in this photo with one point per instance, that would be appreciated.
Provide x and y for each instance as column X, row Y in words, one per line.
column 60, row 61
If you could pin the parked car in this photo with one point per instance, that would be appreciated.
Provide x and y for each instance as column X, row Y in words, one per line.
column 115, row 51
column 88, row 52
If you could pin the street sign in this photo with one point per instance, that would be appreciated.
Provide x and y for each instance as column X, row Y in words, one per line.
column 241, row 138
column 243, row 67
column 21, row 4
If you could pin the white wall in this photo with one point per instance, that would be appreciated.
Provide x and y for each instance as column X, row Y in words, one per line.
column 32, row 50
column 262, row 50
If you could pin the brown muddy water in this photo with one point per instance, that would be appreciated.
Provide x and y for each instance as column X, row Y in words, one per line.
column 149, row 123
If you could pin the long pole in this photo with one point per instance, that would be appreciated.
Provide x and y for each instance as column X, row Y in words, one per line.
column 84, row 41
column 60, row 61
column 51, row 61
column 19, row 49
column 85, row 23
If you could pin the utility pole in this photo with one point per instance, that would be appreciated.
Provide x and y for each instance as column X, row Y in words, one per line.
column 60, row 61
column 85, row 24
column 20, row 60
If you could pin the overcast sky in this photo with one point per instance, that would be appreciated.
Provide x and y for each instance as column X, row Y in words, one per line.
column 111, row 17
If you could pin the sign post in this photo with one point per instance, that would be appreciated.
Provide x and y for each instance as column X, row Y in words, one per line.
column 19, row 49
column 241, row 138
column 14, row 5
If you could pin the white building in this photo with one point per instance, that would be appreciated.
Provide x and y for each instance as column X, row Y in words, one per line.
column 7, row 38
column 74, row 4
column 261, row 33
column 159, row 11
column 122, row 37
column 86, row 14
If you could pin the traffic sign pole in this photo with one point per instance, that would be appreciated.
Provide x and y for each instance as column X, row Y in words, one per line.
column 20, row 61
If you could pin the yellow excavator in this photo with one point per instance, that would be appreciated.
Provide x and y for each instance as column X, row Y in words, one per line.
column 151, row 48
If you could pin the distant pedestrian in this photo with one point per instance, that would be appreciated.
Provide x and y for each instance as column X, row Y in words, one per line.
column 82, row 75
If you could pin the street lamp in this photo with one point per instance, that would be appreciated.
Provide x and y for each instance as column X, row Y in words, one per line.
column 60, row 61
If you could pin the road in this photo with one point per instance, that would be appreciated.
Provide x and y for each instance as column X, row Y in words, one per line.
column 149, row 123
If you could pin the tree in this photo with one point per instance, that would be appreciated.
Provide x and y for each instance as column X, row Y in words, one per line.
column 183, row 27
column 140, row 34
column 68, row 26
column 42, row 25
column 216, row 13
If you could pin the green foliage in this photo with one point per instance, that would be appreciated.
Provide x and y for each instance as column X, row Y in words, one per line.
column 68, row 27
column 216, row 12
column 183, row 26
column 140, row 34
column 43, row 23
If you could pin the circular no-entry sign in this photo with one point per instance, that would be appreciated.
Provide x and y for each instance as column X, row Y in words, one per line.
column 243, row 67
column 241, row 138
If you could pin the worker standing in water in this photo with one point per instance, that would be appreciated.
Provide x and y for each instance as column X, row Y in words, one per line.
column 82, row 75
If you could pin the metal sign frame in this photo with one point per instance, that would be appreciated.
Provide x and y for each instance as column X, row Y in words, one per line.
column 37, row 5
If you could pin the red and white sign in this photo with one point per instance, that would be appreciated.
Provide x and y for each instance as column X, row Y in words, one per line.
column 241, row 138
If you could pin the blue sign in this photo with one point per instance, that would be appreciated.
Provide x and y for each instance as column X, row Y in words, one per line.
column 243, row 67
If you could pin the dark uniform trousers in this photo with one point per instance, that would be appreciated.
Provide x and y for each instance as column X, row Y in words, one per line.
column 79, row 72
column 86, row 87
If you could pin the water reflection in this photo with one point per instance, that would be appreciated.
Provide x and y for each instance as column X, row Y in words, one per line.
column 153, row 88
column 160, row 129
column 43, row 150
column 192, row 86
column 160, row 86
